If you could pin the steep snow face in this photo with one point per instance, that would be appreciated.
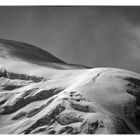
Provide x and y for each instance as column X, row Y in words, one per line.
column 36, row 99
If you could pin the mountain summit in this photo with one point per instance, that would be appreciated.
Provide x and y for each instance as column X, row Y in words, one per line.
column 41, row 94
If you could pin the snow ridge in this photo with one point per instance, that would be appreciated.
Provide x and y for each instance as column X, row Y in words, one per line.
column 71, row 99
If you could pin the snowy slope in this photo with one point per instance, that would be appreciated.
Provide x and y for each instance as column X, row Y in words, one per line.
column 40, row 94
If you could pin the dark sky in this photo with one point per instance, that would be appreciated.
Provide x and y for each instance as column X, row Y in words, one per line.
column 93, row 36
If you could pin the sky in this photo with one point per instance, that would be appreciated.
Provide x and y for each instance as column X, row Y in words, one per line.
column 94, row 36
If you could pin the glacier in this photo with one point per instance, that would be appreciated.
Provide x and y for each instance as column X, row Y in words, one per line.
column 41, row 94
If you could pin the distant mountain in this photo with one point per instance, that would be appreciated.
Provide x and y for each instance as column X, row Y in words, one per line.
column 14, row 51
column 41, row 94
column 24, row 51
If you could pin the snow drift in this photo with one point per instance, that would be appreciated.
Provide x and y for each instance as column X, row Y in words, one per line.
column 41, row 94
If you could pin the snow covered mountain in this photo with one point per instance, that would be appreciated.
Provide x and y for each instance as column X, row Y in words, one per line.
column 41, row 94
